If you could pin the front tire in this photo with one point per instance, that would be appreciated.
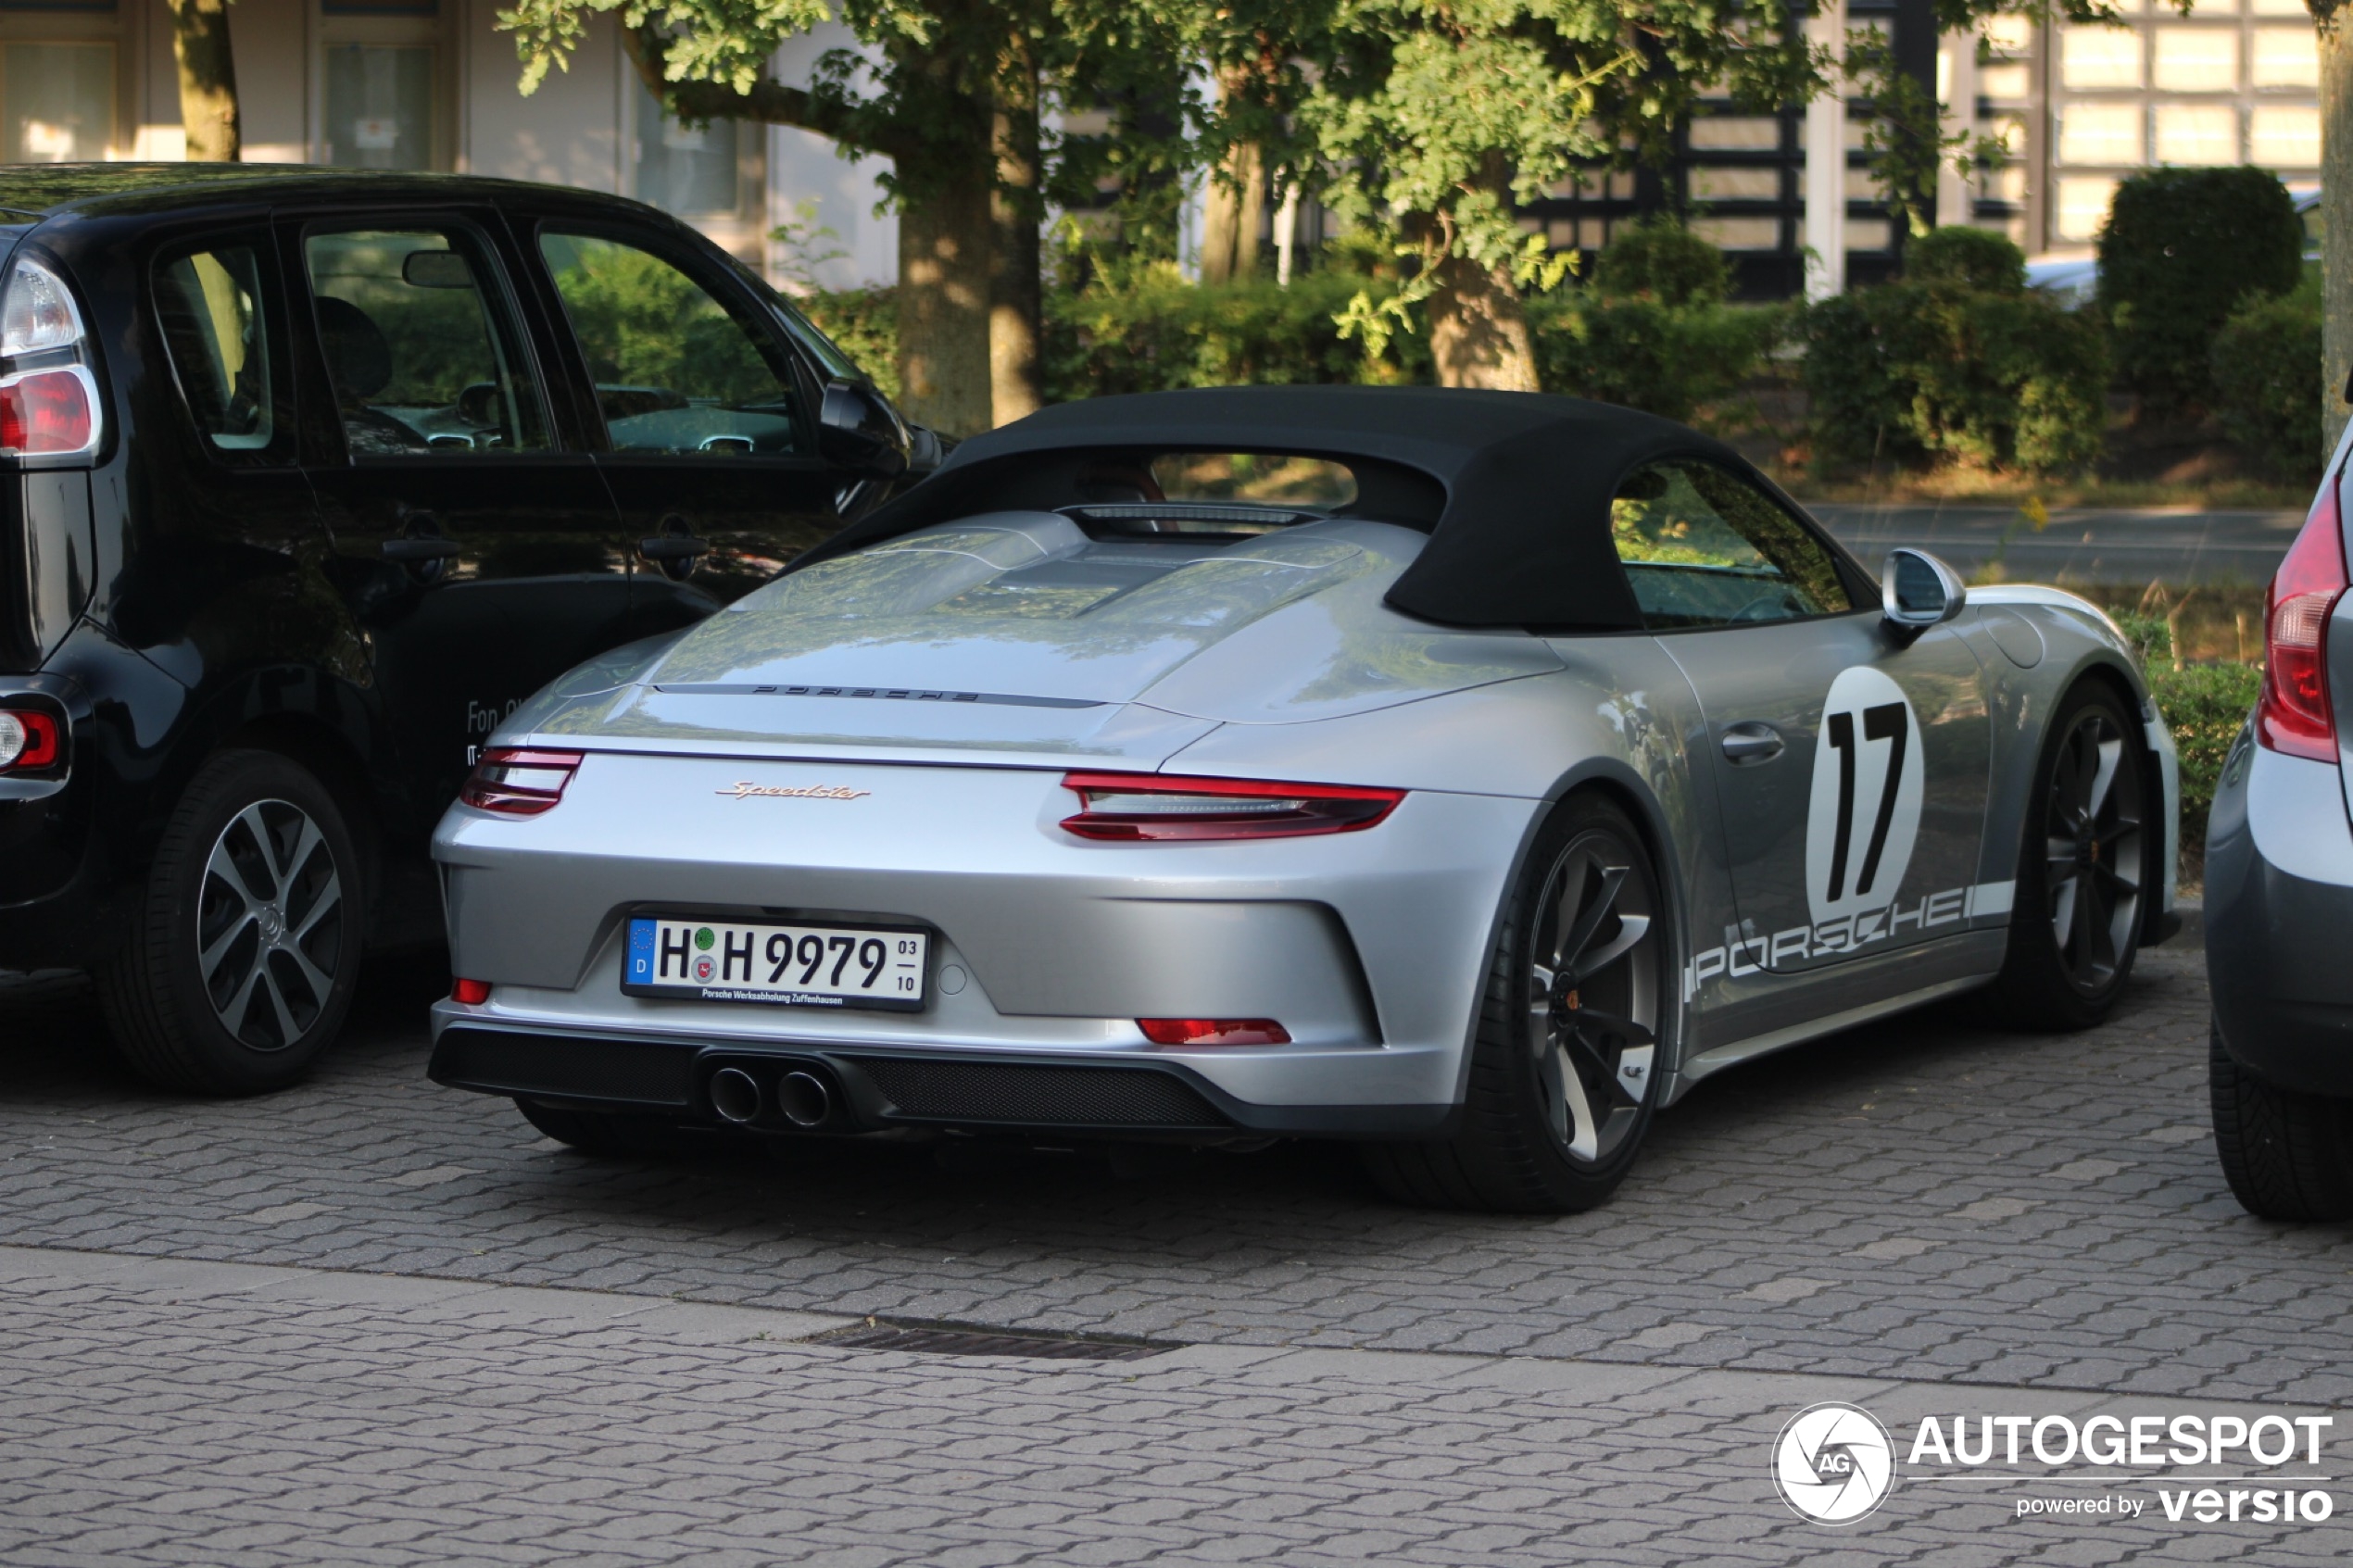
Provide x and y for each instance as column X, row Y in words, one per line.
column 2083, row 872
column 2287, row 1156
column 1568, row 1051
column 244, row 952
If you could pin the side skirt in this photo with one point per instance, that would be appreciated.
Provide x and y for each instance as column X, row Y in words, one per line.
column 1732, row 1053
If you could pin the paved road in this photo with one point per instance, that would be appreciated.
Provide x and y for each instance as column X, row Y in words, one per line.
column 2079, row 546
column 369, row 1320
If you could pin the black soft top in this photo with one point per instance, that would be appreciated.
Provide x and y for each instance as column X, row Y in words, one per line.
column 1519, row 484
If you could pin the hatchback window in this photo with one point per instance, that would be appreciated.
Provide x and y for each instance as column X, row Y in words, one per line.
column 422, row 351
column 210, row 302
column 675, row 371
column 1701, row 547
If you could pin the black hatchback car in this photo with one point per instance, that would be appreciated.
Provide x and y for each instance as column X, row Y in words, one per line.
column 317, row 476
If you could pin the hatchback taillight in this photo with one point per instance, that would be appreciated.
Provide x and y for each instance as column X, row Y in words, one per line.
column 2294, row 715
column 517, row 781
column 28, row 740
column 1159, row 805
column 48, row 400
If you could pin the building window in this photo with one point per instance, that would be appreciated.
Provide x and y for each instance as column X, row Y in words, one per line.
column 2197, row 134
column 379, row 107
column 56, row 102
column 2196, row 59
column 688, row 170
column 2100, row 134
column 2091, row 58
column 2285, row 56
column 2284, row 135
column 2082, row 206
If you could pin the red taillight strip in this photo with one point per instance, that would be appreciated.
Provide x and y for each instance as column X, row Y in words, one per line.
column 517, row 781
column 2294, row 715
column 1161, row 806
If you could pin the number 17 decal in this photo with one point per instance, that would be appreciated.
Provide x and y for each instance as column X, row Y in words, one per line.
column 1864, row 811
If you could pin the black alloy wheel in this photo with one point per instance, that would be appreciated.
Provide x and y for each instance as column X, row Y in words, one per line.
column 2084, row 870
column 1569, row 1047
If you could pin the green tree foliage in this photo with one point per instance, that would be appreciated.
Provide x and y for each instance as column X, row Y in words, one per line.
column 2204, row 705
column 1935, row 368
column 1662, row 262
column 2267, row 378
column 1967, row 257
column 2181, row 248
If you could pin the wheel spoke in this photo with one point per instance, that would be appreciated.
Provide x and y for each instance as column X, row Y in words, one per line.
column 2063, row 898
column 2109, row 755
column 1554, row 1073
column 1598, row 903
column 1632, row 929
column 223, row 868
column 329, row 901
column 287, row 1031
column 209, row 959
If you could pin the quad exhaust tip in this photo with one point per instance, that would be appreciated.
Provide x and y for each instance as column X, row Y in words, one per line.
column 803, row 1099
column 736, row 1095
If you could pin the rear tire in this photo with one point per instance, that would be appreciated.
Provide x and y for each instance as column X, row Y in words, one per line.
column 2086, row 866
column 244, row 950
column 2287, row 1156
column 1566, row 1050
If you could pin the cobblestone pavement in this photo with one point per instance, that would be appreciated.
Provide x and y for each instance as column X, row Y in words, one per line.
column 373, row 1321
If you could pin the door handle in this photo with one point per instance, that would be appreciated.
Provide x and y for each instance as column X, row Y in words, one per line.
column 673, row 547
column 420, row 549
column 1751, row 741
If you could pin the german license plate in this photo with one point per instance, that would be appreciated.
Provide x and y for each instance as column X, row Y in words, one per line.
column 822, row 966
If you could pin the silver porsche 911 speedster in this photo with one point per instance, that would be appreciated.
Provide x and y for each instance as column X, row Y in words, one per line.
column 1465, row 775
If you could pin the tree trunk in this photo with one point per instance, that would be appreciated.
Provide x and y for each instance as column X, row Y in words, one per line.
column 1016, row 384
column 1477, row 331
column 943, row 302
column 1229, row 228
column 2336, row 242
column 207, row 79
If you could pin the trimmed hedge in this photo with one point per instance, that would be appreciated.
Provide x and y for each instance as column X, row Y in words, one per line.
column 2267, row 375
column 1955, row 361
column 2204, row 705
column 2180, row 249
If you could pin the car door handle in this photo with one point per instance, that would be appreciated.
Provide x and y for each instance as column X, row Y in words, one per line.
column 1751, row 741
column 673, row 547
column 427, row 548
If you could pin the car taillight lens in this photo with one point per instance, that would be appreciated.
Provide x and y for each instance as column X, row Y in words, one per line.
column 519, row 783
column 470, row 993
column 1155, row 805
column 27, row 741
column 1213, row 1032
column 2294, row 715
column 47, row 413
column 48, row 408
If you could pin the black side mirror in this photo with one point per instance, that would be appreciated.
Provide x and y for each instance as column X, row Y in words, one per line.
column 859, row 431
column 1918, row 591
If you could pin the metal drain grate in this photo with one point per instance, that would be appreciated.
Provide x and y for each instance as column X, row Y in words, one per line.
column 982, row 1342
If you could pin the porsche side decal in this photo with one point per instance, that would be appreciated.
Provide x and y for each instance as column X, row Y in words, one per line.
column 1739, row 956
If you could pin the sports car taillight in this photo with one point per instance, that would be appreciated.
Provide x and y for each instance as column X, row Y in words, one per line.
column 520, row 783
column 48, row 400
column 1157, row 806
column 2294, row 715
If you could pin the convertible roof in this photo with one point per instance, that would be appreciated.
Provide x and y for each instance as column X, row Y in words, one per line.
column 1523, row 537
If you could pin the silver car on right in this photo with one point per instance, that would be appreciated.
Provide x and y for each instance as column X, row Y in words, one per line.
column 2278, row 894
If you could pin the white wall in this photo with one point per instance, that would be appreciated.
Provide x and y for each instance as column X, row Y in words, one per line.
column 566, row 133
column 803, row 167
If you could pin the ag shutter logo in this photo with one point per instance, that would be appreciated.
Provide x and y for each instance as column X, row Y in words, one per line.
column 1864, row 811
column 1833, row 1463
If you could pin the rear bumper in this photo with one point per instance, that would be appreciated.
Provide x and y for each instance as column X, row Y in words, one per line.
column 2279, row 909
column 876, row 1089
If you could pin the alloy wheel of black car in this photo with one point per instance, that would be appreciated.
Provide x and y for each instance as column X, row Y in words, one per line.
column 269, row 925
column 2083, row 870
column 1568, row 1047
column 242, row 959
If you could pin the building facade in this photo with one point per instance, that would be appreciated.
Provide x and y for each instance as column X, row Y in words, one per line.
column 432, row 84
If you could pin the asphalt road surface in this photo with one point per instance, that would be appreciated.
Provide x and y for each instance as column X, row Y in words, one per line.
column 2079, row 546
column 374, row 1322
